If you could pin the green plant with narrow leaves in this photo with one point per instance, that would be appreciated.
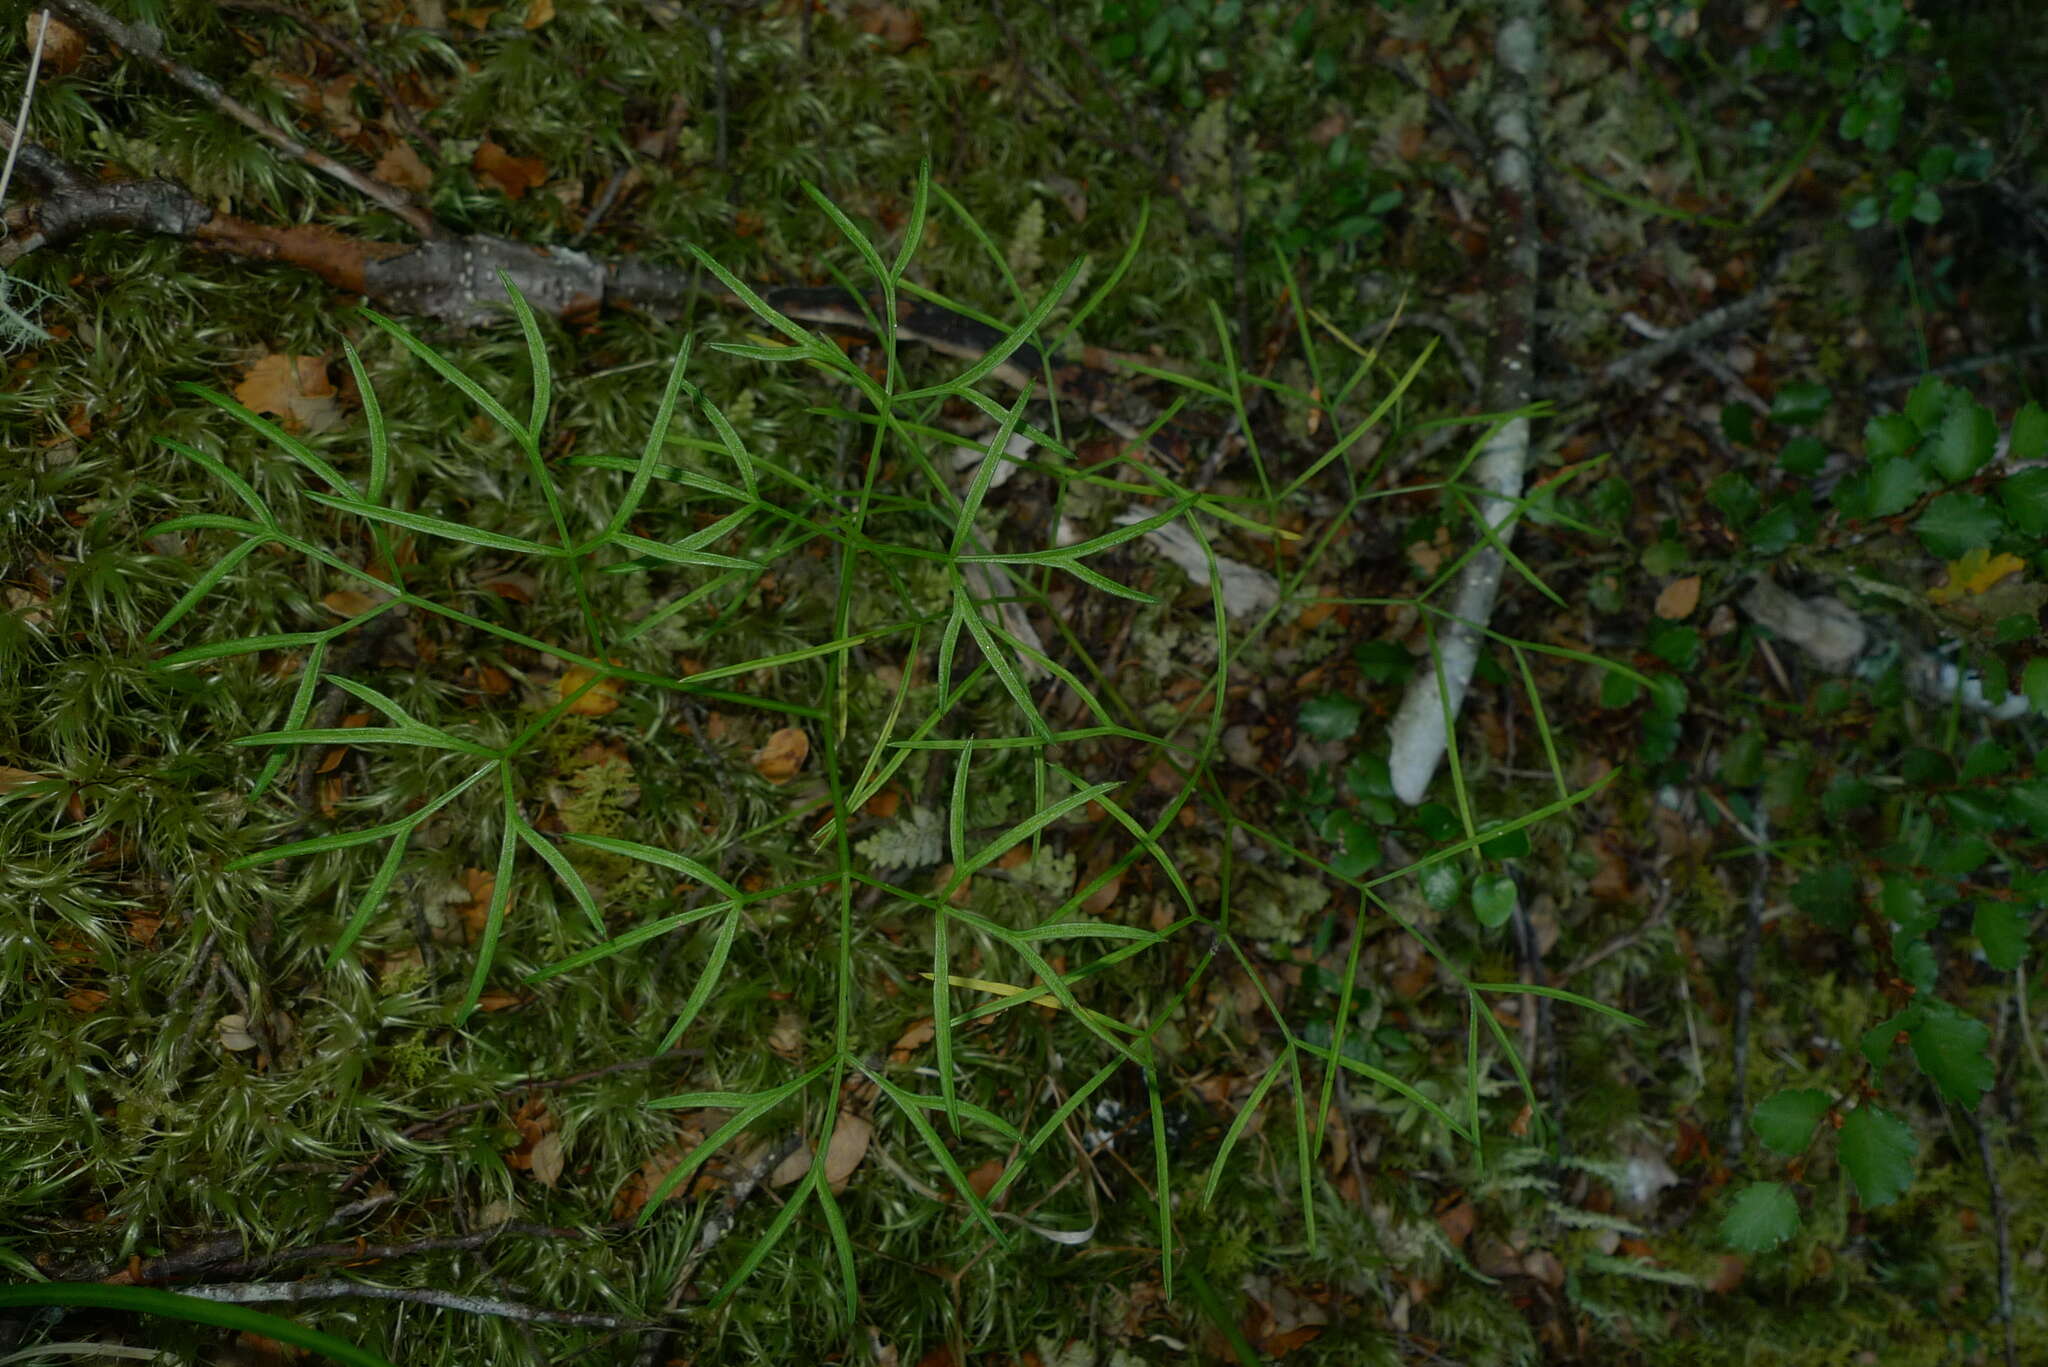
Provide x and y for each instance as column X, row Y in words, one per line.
column 909, row 572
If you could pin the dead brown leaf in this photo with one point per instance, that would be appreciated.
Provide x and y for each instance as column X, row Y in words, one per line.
column 350, row 602
column 63, row 45
column 850, row 1137
column 85, row 1000
column 538, row 12
column 401, row 166
column 791, row 1168
column 293, row 388
column 514, row 175
column 786, row 1040
column 982, row 1178
column 633, row 1194
column 545, row 1162
column 602, row 697
column 918, row 1034
column 1679, row 598
column 899, row 28
column 534, row 1125
column 779, row 760
column 480, row 884
column 1458, row 1222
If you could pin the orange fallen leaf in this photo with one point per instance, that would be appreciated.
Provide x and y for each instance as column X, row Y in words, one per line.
column 784, row 754
column 401, row 166
column 601, row 698
column 350, row 602
column 293, row 388
column 538, row 12
column 514, row 175
column 983, row 1178
column 899, row 28
column 480, row 884
column 915, row 1037
column 63, row 45
column 85, row 1000
column 1458, row 1222
column 1679, row 598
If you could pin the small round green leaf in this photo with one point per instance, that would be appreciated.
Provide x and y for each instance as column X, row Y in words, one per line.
column 2030, row 432
column 1964, row 441
column 2002, row 931
column 2034, row 683
column 1441, row 884
column 1894, row 484
column 1889, row 436
column 1801, row 402
column 1331, row 717
column 1956, row 524
column 2025, row 497
column 1785, row 1121
column 1765, row 1214
column 1954, row 1050
column 1493, row 899
column 1877, row 1152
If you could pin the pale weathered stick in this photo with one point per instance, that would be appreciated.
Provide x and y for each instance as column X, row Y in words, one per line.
column 1421, row 727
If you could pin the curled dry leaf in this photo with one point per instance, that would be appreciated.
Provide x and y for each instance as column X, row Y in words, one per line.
column 784, row 754
column 234, row 1033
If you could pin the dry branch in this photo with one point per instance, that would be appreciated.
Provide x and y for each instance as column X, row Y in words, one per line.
column 1421, row 728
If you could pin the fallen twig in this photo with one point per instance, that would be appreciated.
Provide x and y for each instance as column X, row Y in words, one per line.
column 1421, row 730
column 358, row 56
column 1745, row 977
column 716, row 1226
column 2001, row 1227
column 146, row 42
column 1644, row 359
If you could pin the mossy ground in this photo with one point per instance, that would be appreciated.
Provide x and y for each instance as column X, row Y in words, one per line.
column 139, row 1120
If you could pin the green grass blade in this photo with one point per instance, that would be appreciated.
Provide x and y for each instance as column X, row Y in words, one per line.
column 501, row 895
column 714, row 966
column 147, row 1300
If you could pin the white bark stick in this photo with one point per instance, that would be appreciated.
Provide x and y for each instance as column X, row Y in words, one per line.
column 1421, row 729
